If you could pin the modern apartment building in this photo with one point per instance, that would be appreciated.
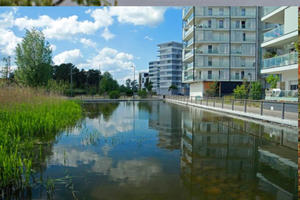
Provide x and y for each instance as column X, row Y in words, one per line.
column 220, row 45
column 167, row 70
column 280, row 56
column 143, row 77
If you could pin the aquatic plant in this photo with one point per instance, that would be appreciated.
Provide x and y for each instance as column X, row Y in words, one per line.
column 28, row 118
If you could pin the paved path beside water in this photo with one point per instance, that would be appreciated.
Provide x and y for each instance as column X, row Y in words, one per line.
column 290, row 118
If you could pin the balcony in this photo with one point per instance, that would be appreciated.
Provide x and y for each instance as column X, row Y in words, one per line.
column 279, row 61
column 188, row 55
column 186, row 10
column 188, row 66
column 275, row 33
column 268, row 10
column 213, row 51
column 188, row 31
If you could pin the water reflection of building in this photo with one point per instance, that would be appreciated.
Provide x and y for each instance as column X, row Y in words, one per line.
column 167, row 120
column 220, row 159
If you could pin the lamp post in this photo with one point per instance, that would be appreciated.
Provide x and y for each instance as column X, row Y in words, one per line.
column 133, row 79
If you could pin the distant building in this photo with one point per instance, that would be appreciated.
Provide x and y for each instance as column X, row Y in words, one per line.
column 280, row 56
column 143, row 77
column 167, row 70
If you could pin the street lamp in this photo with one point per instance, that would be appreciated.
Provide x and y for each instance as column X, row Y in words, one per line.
column 133, row 79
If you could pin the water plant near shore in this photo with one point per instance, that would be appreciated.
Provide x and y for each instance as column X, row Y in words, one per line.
column 29, row 118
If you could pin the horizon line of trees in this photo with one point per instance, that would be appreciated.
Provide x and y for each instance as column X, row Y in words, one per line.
column 35, row 69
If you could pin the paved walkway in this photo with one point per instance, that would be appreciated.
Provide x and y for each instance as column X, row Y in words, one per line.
column 291, row 119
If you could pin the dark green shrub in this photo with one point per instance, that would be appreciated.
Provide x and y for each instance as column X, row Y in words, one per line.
column 256, row 91
column 142, row 93
column 240, row 92
column 115, row 94
column 129, row 93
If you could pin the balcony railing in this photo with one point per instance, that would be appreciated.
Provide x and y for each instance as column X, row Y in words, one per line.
column 279, row 61
column 188, row 31
column 213, row 51
column 188, row 66
column 268, row 10
column 187, row 55
column 275, row 33
column 186, row 9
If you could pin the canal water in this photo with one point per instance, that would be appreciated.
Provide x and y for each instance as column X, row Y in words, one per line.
column 162, row 151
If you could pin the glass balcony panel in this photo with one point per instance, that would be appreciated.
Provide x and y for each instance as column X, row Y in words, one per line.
column 275, row 33
column 279, row 61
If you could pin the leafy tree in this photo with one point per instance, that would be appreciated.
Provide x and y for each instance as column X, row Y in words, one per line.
column 107, row 84
column 115, row 94
column 241, row 92
column 34, row 59
column 6, row 70
column 142, row 93
column 134, row 86
column 213, row 90
column 173, row 88
column 272, row 80
column 148, row 85
column 256, row 91
column 56, row 3
column 128, row 83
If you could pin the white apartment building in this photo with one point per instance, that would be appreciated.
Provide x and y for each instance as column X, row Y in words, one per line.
column 167, row 70
column 279, row 52
column 143, row 77
column 220, row 45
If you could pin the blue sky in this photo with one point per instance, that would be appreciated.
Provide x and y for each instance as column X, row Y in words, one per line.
column 113, row 38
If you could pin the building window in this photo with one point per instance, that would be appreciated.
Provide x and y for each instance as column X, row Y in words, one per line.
column 243, row 13
column 244, row 36
column 237, row 24
column 209, row 61
column 243, row 24
column 221, row 11
column 237, row 76
column 210, row 11
column 221, row 23
column 209, row 23
column 209, row 74
column 294, row 87
column 209, row 48
column 242, row 74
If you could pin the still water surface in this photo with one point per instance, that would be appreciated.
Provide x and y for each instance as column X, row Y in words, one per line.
column 156, row 150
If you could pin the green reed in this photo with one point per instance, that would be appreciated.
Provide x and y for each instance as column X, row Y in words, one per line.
column 22, row 127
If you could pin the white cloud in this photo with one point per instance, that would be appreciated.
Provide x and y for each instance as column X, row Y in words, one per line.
column 63, row 28
column 107, row 35
column 88, row 42
column 71, row 56
column 8, row 42
column 119, row 64
column 148, row 38
column 148, row 16
column 53, row 47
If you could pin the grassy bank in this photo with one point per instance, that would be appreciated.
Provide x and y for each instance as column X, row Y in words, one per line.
column 29, row 118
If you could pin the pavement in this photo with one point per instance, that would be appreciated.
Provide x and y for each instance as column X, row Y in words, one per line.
column 290, row 118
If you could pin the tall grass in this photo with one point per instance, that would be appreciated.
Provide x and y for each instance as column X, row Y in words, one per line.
column 28, row 117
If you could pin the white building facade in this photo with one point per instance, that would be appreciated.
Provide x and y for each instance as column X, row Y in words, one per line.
column 280, row 56
column 220, row 45
column 167, row 70
column 143, row 77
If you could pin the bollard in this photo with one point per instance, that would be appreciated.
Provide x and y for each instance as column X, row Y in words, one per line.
column 261, row 107
column 232, row 107
column 223, row 102
column 214, row 102
column 245, row 105
column 207, row 101
column 283, row 107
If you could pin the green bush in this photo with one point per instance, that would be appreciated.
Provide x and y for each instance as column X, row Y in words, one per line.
column 240, row 92
column 272, row 80
column 256, row 91
column 115, row 94
column 142, row 93
column 213, row 90
column 129, row 93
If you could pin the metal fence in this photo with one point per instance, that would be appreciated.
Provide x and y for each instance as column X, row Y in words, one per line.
column 283, row 110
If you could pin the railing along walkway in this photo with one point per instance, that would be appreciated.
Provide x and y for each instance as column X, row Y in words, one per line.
column 279, row 112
